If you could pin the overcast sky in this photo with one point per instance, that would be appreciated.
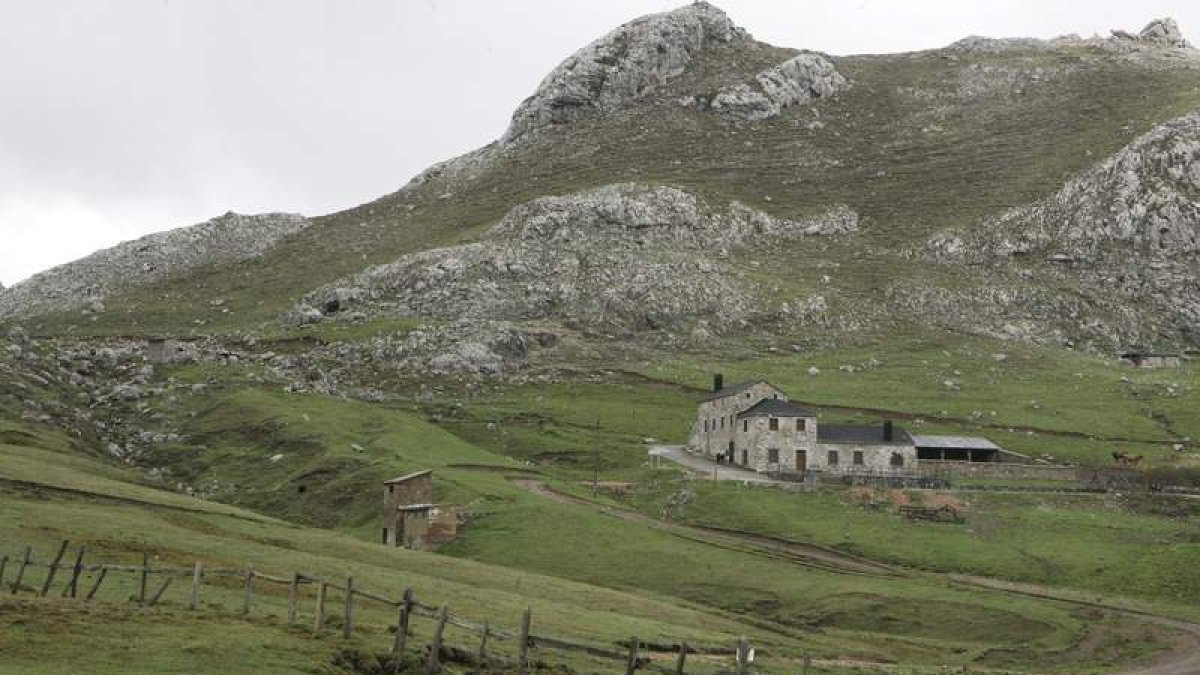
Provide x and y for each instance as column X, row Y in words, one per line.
column 124, row 117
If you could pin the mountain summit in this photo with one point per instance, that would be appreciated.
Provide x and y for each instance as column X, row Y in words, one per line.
column 678, row 184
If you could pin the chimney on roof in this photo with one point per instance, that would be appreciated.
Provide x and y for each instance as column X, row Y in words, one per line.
column 718, row 382
column 889, row 433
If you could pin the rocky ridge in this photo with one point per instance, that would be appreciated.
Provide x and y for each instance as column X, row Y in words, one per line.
column 1158, row 34
column 85, row 283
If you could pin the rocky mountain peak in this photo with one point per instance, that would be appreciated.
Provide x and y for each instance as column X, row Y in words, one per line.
column 624, row 65
column 1164, row 31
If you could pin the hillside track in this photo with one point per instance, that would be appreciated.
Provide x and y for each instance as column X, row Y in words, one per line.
column 809, row 555
column 1184, row 659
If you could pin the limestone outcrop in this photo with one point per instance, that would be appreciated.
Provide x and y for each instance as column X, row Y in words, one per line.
column 619, row 258
column 624, row 65
column 85, row 283
column 1126, row 232
column 1163, row 32
column 800, row 79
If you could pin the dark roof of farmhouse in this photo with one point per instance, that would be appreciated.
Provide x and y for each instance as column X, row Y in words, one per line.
column 854, row 433
column 773, row 407
column 735, row 389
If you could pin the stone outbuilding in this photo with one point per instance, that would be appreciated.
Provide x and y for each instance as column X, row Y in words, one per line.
column 411, row 518
column 407, row 501
column 755, row 425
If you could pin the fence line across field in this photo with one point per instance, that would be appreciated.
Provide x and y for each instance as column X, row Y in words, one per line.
column 407, row 607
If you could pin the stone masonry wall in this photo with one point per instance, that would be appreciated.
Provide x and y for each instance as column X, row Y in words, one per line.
column 877, row 458
column 759, row 439
column 723, row 412
column 999, row 470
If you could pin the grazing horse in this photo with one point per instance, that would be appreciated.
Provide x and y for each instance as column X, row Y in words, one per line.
column 1120, row 457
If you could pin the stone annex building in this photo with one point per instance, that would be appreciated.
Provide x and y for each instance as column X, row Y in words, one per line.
column 753, row 424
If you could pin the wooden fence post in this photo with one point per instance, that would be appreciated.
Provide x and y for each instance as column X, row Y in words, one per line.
column 483, row 657
column 804, row 665
column 197, row 575
column 523, row 654
column 320, row 618
column 348, row 613
column 76, row 571
column 683, row 650
column 632, row 665
column 743, row 655
column 3, row 564
column 293, row 592
column 96, row 586
column 402, row 626
column 144, row 578
column 53, row 569
column 25, row 560
column 247, row 590
column 162, row 589
column 435, row 647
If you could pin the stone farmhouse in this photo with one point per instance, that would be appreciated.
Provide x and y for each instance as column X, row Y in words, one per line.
column 410, row 518
column 754, row 425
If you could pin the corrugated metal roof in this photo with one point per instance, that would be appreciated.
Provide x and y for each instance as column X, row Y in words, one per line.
column 954, row 442
column 776, row 408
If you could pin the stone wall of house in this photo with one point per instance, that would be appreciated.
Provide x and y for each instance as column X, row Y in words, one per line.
column 415, row 529
column 759, row 439
column 998, row 470
column 443, row 525
column 877, row 457
column 722, row 414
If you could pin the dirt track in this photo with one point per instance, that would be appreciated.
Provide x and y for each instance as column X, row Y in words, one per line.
column 1184, row 660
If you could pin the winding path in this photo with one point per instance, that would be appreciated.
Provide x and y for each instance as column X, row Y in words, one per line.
column 1184, row 660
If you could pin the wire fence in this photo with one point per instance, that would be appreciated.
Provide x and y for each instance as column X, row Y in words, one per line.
column 151, row 584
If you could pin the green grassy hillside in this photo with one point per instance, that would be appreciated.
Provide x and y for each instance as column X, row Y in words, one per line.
column 691, row 588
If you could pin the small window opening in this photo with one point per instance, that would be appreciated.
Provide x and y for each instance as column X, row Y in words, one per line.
column 897, row 459
column 858, row 458
column 833, row 458
column 773, row 425
column 801, row 424
column 745, row 425
column 773, row 455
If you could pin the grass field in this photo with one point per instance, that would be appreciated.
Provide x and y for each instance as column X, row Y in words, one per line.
column 663, row 587
column 1111, row 545
column 66, row 501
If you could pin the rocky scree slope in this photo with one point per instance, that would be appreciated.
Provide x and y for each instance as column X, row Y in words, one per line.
column 1125, row 232
column 86, row 282
column 623, row 257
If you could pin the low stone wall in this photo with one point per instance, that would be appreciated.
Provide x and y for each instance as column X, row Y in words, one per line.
column 998, row 470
